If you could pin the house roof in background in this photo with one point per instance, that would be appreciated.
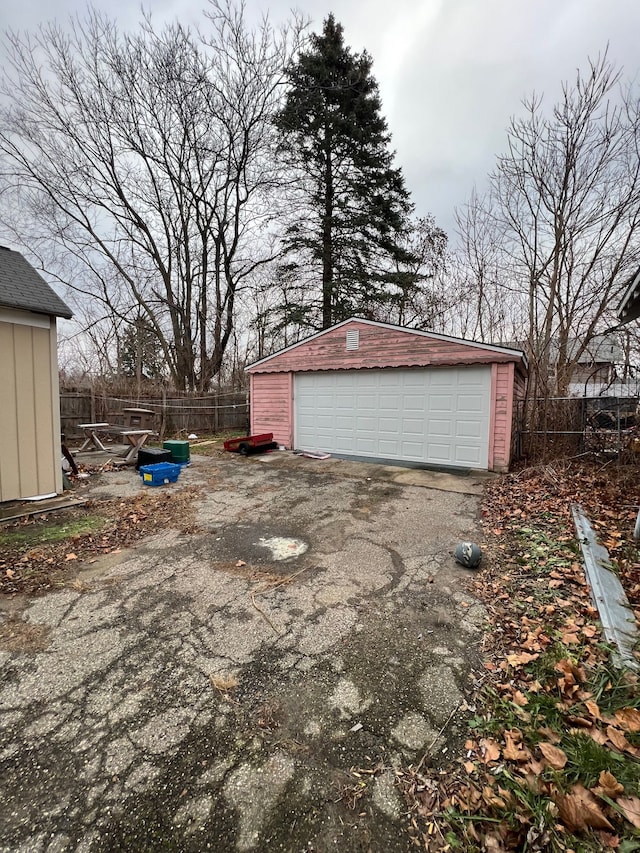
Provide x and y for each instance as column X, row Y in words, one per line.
column 629, row 308
column 603, row 348
column 22, row 287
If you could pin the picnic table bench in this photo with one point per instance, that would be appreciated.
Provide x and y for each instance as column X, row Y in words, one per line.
column 134, row 437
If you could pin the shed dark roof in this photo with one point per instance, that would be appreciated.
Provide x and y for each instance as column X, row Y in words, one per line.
column 22, row 287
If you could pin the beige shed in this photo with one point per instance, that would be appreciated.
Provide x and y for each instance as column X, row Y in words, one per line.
column 30, row 453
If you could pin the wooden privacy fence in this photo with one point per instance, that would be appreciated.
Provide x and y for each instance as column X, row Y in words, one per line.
column 210, row 414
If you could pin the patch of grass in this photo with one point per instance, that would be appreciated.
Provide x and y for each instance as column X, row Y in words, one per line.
column 40, row 533
column 587, row 760
column 543, row 669
column 614, row 688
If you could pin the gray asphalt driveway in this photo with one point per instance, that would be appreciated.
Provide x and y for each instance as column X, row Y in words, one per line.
column 251, row 685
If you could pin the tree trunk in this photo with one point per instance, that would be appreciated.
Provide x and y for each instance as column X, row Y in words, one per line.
column 327, row 237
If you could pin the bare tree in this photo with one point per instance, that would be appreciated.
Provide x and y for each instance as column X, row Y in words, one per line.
column 148, row 160
column 557, row 234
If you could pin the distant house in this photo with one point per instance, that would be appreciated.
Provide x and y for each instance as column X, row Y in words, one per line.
column 629, row 308
column 597, row 368
column 30, row 455
column 594, row 371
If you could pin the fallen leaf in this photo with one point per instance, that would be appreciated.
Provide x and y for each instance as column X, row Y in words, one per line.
column 618, row 739
column 593, row 708
column 570, row 639
column 514, row 749
column 534, row 767
column 490, row 749
column 598, row 735
column 492, row 799
column 582, row 722
column 609, row 841
column 629, row 719
column 550, row 735
column 519, row 698
column 608, row 786
column 71, row 557
column 631, row 808
column 554, row 756
column 10, row 573
column 571, row 670
column 521, row 659
column 579, row 809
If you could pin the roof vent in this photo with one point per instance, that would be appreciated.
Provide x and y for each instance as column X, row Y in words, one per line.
column 353, row 339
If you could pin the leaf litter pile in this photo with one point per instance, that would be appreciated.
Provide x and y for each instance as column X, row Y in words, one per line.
column 32, row 561
column 552, row 758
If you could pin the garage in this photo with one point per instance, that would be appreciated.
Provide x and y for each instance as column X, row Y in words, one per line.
column 434, row 416
column 375, row 391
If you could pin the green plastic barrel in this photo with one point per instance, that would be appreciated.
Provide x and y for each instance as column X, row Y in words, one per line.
column 179, row 450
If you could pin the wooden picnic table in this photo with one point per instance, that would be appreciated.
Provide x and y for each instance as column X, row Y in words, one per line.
column 91, row 436
column 136, row 438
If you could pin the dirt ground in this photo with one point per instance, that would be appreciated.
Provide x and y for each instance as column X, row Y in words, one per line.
column 252, row 680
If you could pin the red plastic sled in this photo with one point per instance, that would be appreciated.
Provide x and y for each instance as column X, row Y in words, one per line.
column 250, row 443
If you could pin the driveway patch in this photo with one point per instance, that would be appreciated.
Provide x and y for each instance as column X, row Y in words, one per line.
column 204, row 692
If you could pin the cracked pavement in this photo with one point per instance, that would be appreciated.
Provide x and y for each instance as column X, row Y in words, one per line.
column 208, row 691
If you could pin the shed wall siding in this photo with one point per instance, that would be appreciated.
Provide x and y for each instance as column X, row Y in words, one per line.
column 377, row 348
column 30, row 415
column 272, row 406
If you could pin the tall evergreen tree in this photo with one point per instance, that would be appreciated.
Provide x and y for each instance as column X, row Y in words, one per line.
column 353, row 205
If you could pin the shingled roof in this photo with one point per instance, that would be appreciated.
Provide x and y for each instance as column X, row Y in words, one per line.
column 22, row 287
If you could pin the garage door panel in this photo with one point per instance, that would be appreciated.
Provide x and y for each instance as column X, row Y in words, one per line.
column 388, row 425
column 470, row 403
column 389, row 448
column 412, row 450
column 325, row 422
column 468, row 428
column 439, row 428
column 469, row 455
column 440, row 455
column 389, row 401
column 344, row 421
column 413, row 402
column 366, row 424
column 441, row 403
column 438, row 416
column 413, row 426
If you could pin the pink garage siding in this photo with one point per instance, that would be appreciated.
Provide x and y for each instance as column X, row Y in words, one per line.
column 382, row 346
column 502, row 416
column 272, row 406
column 378, row 346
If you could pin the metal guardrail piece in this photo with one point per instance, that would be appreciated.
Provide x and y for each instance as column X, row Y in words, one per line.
column 618, row 621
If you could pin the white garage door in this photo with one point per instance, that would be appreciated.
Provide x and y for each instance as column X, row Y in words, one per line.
column 438, row 416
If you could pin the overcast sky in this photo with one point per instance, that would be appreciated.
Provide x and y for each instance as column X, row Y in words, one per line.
column 451, row 72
